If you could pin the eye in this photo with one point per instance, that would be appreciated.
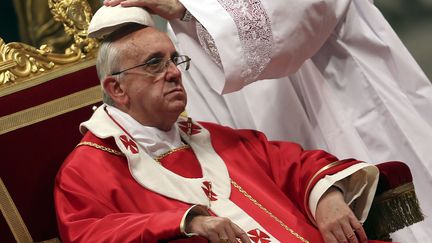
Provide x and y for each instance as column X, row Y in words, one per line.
column 154, row 65
column 154, row 61
column 181, row 61
column 176, row 59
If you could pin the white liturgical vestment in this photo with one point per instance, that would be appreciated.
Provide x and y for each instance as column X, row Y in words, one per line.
column 335, row 76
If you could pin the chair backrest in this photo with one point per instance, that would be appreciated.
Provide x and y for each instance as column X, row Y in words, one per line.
column 44, row 96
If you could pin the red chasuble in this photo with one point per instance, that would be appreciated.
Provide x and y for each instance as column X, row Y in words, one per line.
column 98, row 200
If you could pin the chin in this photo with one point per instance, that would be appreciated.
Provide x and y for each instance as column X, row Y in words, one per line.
column 178, row 107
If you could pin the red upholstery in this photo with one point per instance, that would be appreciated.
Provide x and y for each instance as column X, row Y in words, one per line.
column 392, row 175
column 32, row 155
column 395, row 205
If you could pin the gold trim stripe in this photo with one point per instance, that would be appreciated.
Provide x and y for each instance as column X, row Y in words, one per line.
column 305, row 203
column 321, row 170
column 158, row 158
column 103, row 148
column 258, row 204
column 53, row 240
column 46, row 76
column 390, row 194
column 50, row 109
column 13, row 217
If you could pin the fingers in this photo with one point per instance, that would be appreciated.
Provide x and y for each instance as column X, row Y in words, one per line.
column 349, row 233
column 135, row 3
column 358, row 230
column 213, row 237
column 329, row 237
column 345, row 230
column 125, row 3
column 217, row 229
column 341, row 234
column 168, row 9
column 240, row 234
column 336, row 221
column 112, row 2
column 230, row 234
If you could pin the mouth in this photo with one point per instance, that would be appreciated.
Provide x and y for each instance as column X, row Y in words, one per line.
column 176, row 90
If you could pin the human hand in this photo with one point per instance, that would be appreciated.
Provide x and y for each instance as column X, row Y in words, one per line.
column 168, row 9
column 336, row 221
column 217, row 229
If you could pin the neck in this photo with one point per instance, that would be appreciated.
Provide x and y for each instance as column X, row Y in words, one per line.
column 163, row 122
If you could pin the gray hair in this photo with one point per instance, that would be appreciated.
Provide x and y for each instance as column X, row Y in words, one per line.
column 107, row 62
column 108, row 59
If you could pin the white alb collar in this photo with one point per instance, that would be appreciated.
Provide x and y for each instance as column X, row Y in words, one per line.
column 154, row 141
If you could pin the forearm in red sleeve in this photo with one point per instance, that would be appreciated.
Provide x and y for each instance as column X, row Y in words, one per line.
column 83, row 218
column 297, row 170
column 292, row 168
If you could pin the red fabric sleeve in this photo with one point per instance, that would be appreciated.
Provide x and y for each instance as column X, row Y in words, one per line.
column 83, row 217
column 297, row 177
column 294, row 170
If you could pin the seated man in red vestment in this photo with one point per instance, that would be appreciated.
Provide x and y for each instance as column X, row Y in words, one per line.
column 144, row 173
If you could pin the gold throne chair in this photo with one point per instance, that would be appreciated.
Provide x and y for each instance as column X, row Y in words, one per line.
column 45, row 95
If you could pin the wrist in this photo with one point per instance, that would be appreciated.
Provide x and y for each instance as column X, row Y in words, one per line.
column 333, row 190
column 187, row 16
column 193, row 212
column 180, row 11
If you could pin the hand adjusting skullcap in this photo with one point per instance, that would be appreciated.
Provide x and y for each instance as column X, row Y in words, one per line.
column 108, row 19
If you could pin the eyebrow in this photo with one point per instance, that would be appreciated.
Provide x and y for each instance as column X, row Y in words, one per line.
column 160, row 55
column 153, row 55
column 175, row 54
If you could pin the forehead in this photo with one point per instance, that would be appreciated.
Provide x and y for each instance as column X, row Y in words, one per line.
column 147, row 41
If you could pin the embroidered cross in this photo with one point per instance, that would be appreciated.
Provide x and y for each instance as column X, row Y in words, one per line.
column 207, row 188
column 189, row 127
column 258, row 236
column 129, row 144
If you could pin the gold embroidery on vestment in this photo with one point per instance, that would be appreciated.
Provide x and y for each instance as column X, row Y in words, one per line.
column 103, row 148
column 158, row 158
column 268, row 212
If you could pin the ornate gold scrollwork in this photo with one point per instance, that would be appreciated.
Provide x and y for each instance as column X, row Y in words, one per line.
column 19, row 61
column 75, row 16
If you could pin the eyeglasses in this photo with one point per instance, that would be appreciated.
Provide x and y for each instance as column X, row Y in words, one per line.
column 158, row 65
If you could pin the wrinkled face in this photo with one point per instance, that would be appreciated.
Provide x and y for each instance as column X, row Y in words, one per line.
column 152, row 99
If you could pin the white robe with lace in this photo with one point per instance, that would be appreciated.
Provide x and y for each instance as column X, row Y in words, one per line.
column 335, row 75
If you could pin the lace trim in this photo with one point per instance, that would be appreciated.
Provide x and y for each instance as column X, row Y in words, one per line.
column 208, row 43
column 254, row 29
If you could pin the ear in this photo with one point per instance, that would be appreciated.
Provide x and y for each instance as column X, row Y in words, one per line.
column 117, row 93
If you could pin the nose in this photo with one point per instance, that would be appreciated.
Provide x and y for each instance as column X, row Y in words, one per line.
column 173, row 73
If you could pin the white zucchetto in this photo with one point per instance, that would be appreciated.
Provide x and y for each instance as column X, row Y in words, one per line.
column 108, row 19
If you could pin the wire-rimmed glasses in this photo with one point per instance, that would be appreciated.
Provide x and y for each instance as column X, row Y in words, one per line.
column 158, row 65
